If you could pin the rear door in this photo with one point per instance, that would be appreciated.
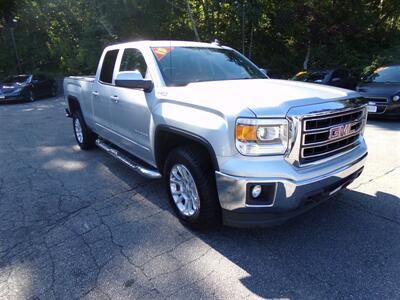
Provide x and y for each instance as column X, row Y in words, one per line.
column 39, row 85
column 101, row 94
column 130, row 110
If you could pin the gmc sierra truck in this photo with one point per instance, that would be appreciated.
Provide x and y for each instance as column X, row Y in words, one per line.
column 232, row 145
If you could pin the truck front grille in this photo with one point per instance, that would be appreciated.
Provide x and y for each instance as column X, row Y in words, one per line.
column 329, row 135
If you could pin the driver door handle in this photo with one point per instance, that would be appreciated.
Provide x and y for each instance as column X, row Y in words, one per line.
column 114, row 98
column 95, row 93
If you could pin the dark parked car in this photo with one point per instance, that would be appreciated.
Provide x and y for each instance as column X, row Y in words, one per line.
column 27, row 88
column 338, row 77
column 382, row 90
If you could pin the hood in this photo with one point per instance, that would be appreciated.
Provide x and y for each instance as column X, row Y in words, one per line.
column 378, row 89
column 262, row 97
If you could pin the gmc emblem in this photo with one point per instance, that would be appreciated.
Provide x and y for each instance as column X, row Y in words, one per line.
column 341, row 131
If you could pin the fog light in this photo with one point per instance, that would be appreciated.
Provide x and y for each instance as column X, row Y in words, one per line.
column 256, row 191
column 396, row 98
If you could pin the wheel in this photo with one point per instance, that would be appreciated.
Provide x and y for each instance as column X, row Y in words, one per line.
column 29, row 96
column 83, row 135
column 191, row 187
column 53, row 91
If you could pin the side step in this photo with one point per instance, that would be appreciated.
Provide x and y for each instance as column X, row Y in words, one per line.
column 145, row 171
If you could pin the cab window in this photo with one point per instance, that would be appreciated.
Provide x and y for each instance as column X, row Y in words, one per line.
column 133, row 60
column 107, row 70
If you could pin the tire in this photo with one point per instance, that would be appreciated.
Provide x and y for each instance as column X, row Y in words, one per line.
column 53, row 91
column 29, row 96
column 85, row 138
column 205, row 212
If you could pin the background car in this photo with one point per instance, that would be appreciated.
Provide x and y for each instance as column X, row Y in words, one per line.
column 27, row 87
column 338, row 77
column 382, row 91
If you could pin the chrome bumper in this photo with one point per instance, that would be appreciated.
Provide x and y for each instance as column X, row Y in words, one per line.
column 290, row 197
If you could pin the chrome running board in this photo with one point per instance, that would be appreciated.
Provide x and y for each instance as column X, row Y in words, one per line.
column 145, row 171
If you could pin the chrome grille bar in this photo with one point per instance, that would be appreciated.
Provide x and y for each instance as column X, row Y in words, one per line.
column 317, row 141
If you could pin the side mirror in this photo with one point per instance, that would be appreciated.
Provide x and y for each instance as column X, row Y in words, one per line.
column 336, row 79
column 133, row 80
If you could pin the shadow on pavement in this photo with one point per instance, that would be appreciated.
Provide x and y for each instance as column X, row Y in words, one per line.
column 342, row 248
column 387, row 124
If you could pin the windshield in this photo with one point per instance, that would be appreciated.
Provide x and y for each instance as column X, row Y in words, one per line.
column 385, row 74
column 183, row 65
column 16, row 79
column 310, row 76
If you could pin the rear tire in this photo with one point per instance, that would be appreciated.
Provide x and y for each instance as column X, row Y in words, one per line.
column 191, row 187
column 85, row 138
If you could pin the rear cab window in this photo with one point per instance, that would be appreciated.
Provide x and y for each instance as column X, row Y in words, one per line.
column 107, row 69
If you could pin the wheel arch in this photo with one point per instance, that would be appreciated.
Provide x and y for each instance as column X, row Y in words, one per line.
column 167, row 138
column 73, row 104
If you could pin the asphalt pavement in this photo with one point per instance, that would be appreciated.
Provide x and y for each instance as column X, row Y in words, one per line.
column 77, row 224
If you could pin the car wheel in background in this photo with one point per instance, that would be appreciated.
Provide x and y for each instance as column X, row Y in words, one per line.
column 29, row 96
column 191, row 187
column 53, row 91
column 85, row 138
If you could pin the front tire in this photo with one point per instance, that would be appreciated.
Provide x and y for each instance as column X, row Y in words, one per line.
column 53, row 91
column 29, row 96
column 85, row 138
column 191, row 187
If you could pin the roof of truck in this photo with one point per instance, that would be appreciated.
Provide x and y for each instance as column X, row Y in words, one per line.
column 166, row 43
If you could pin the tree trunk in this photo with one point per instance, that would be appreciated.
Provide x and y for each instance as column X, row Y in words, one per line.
column 189, row 10
column 243, row 36
column 251, row 40
column 307, row 58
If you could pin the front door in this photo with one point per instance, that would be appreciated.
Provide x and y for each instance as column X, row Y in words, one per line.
column 130, row 110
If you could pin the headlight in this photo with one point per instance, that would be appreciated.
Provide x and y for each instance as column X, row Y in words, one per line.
column 262, row 136
column 396, row 98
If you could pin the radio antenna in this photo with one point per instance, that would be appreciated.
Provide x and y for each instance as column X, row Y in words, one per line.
column 170, row 43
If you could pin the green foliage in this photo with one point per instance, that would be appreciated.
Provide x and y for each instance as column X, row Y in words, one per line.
column 67, row 36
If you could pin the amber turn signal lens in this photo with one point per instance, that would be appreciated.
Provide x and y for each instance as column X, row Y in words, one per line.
column 246, row 132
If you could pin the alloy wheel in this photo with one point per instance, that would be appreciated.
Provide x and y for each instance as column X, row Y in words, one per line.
column 184, row 191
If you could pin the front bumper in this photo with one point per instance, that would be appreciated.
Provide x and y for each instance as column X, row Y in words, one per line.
column 386, row 109
column 291, row 197
column 9, row 98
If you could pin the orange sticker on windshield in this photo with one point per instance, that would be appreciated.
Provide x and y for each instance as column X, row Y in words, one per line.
column 160, row 52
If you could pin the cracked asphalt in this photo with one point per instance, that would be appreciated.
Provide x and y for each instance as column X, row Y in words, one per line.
column 77, row 224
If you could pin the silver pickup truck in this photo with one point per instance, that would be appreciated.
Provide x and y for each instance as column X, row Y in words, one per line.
column 232, row 145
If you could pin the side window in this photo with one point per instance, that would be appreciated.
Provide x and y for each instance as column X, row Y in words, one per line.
column 342, row 74
column 107, row 70
column 133, row 60
column 36, row 78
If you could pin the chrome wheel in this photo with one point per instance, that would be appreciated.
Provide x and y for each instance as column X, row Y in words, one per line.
column 78, row 130
column 184, row 191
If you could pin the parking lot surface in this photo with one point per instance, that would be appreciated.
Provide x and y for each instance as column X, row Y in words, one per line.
column 77, row 224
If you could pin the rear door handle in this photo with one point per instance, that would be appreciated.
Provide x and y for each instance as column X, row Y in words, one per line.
column 114, row 98
column 95, row 93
